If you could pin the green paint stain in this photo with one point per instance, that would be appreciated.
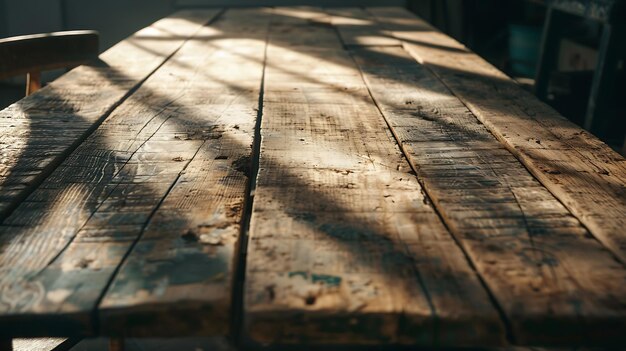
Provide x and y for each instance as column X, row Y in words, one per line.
column 329, row 280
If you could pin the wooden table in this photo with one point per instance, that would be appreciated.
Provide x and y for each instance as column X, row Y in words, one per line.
column 404, row 192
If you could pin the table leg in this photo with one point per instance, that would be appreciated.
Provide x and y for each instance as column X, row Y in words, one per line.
column 116, row 344
column 33, row 82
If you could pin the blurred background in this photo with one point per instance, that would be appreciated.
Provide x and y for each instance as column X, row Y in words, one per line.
column 570, row 53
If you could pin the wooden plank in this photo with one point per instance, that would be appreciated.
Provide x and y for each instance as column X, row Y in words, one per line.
column 179, row 278
column 79, row 224
column 43, row 344
column 53, row 122
column 344, row 247
column 357, row 28
column 586, row 175
column 554, row 282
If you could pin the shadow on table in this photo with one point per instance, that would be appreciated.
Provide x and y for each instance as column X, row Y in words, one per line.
column 161, row 101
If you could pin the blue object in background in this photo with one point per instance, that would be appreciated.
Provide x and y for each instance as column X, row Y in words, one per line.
column 524, row 44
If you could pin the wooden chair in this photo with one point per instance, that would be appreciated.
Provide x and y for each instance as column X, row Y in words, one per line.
column 32, row 54
column 612, row 15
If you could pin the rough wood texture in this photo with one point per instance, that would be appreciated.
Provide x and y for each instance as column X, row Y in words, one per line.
column 38, row 132
column 357, row 28
column 344, row 247
column 586, row 175
column 179, row 278
column 43, row 344
column 507, row 222
column 136, row 232
column 52, row 277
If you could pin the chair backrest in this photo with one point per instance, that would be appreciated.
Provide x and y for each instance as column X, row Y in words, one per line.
column 31, row 54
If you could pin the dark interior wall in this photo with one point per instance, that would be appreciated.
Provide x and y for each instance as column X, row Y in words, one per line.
column 446, row 15
column 32, row 16
column 482, row 25
column 3, row 20
column 463, row 18
column 114, row 19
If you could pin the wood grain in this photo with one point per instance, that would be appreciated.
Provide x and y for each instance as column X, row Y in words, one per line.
column 586, row 175
column 179, row 278
column 43, row 344
column 358, row 28
column 344, row 247
column 51, row 278
column 396, row 203
column 524, row 243
column 50, row 124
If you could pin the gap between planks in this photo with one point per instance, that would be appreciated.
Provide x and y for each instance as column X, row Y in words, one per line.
column 345, row 248
column 213, row 290
column 106, row 233
column 413, row 165
column 412, row 132
column 586, row 175
column 7, row 207
column 240, row 267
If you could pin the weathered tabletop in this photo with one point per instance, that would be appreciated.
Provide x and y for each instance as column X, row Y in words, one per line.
column 403, row 191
